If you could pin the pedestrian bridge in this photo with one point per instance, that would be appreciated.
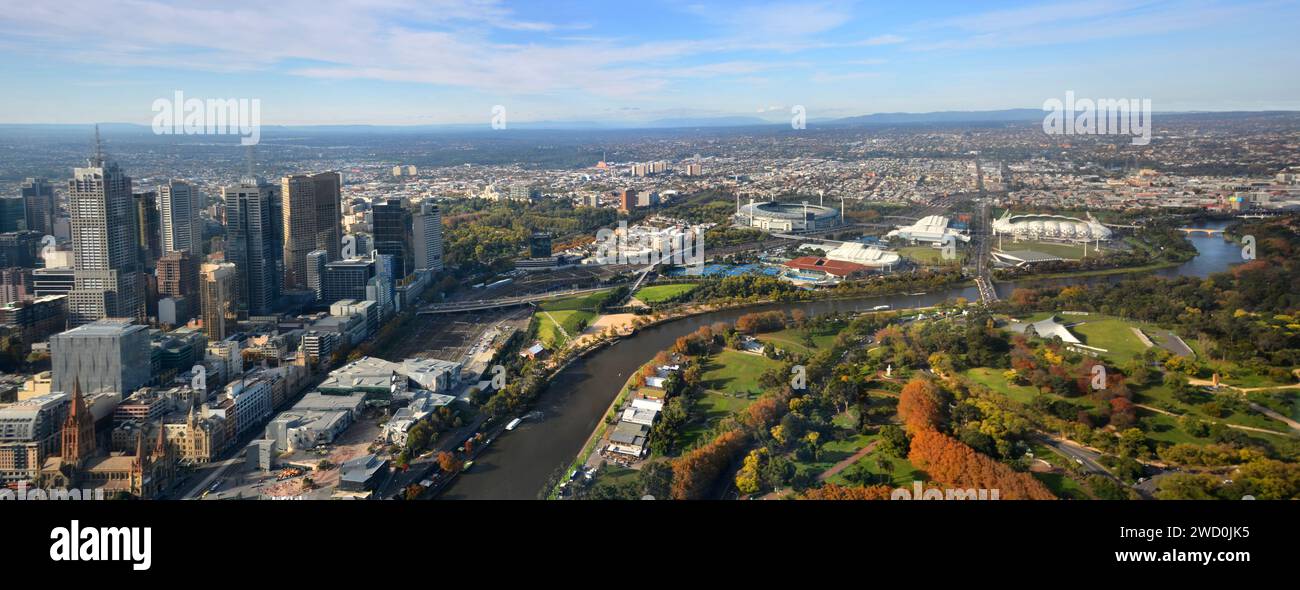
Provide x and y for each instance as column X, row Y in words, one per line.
column 1203, row 230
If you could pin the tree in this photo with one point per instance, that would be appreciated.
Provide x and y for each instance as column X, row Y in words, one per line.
column 747, row 479
column 832, row 491
column 695, row 472
column 894, row 441
column 921, row 406
column 449, row 463
column 949, row 461
column 656, row 479
column 1132, row 443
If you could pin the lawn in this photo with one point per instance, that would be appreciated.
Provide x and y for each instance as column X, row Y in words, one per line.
column 1025, row 394
column 1283, row 401
column 1063, row 486
column 901, row 475
column 993, row 379
column 835, row 451
column 554, row 337
column 568, row 312
column 793, row 340
column 1114, row 335
column 1066, row 251
column 614, row 474
column 1161, row 397
column 928, row 255
column 589, row 302
column 1164, row 428
column 706, row 411
column 736, row 372
column 661, row 293
column 731, row 382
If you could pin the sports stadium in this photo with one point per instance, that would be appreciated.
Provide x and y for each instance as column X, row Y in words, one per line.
column 777, row 217
column 1051, row 228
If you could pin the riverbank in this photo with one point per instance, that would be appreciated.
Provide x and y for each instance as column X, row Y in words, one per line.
column 1091, row 274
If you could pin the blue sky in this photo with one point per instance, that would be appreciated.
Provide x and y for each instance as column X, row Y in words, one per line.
column 450, row 61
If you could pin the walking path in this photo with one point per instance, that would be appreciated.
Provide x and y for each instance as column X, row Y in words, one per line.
column 845, row 464
column 1237, row 426
column 558, row 325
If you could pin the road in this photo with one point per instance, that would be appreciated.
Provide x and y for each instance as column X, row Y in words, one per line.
column 980, row 244
column 1079, row 454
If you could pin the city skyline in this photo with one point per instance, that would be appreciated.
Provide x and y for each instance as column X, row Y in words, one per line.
column 406, row 63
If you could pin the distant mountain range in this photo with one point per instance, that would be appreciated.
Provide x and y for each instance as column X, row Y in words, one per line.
column 878, row 119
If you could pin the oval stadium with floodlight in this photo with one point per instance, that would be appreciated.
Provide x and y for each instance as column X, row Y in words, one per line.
column 777, row 217
column 1051, row 228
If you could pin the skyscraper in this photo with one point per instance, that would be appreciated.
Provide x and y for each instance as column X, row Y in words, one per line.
column 218, row 289
column 253, row 227
column 347, row 279
column 178, row 274
column 13, row 214
column 316, row 260
column 539, row 245
column 148, row 232
column 426, row 226
column 392, row 231
column 181, row 229
column 38, row 195
column 312, row 221
column 107, row 279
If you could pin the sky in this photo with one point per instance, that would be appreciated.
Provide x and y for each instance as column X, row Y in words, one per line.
column 405, row 62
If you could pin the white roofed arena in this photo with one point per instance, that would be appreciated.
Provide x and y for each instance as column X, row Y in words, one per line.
column 1051, row 228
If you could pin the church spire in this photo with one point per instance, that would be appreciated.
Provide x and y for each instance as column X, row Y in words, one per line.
column 160, row 446
column 78, row 432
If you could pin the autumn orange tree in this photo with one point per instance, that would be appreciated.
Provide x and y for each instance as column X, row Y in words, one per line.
column 951, row 462
column 832, row 491
column 448, row 462
column 695, row 472
column 920, row 405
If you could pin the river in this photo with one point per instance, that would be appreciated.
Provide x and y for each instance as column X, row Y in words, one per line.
column 519, row 463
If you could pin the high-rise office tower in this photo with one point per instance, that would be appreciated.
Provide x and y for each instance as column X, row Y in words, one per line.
column 218, row 290
column 178, row 274
column 179, row 205
column 316, row 260
column 13, row 214
column 38, row 195
column 148, row 231
column 393, row 235
column 312, row 221
column 253, row 227
column 347, row 279
column 107, row 279
column 539, row 245
column 426, row 231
